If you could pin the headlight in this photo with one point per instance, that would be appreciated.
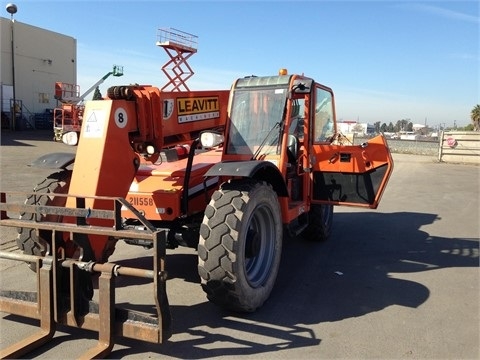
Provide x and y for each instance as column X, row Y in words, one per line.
column 209, row 139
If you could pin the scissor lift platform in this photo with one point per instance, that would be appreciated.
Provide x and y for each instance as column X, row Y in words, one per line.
column 179, row 46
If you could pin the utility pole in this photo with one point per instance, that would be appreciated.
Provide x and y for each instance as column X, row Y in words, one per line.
column 12, row 9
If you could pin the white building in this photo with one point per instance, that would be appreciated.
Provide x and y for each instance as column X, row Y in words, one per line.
column 354, row 127
column 41, row 58
column 418, row 127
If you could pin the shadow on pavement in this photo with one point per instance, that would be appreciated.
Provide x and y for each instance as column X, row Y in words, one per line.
column 350, row 275
column 17, row 138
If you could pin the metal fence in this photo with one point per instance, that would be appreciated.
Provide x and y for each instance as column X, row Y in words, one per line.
column 452, row 147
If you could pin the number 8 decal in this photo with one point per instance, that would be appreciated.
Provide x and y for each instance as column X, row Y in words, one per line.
column 121, row 117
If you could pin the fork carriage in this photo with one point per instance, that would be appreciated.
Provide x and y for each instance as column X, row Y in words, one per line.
column 54, row 303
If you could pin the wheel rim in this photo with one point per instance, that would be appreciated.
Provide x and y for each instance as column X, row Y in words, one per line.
column 259, row 249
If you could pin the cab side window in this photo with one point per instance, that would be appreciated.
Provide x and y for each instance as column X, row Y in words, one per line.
column 298, row 113
column 324, row 127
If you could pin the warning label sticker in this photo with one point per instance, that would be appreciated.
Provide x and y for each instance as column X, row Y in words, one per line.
column 95, row 122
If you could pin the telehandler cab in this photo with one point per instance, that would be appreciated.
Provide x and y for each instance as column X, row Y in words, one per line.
column 162, row 170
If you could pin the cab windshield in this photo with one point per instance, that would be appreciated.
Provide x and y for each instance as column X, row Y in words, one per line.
column 256, row 117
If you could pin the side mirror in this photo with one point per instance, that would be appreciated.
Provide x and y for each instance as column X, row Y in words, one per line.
column 209, row 139
column 70, row 138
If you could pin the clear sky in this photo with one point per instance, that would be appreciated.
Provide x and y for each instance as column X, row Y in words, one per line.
column 385, row 60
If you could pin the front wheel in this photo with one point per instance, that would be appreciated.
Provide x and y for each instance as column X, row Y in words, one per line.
column 27, row 240
column 33, row 243
column 240, row 245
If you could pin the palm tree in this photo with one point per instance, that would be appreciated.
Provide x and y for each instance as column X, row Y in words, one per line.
column 475, row 116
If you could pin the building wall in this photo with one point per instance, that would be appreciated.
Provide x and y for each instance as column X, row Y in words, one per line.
column 42, row 57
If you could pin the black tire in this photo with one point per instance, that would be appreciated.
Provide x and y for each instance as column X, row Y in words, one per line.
column 240, row 245
column 27, row 239
column 320, row 219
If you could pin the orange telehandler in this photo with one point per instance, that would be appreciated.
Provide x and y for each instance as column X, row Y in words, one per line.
column 162, row 170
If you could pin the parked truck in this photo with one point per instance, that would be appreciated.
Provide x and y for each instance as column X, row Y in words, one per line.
column 162, row 170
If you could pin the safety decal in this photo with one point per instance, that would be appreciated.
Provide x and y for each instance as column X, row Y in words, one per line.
column 167, row 108
column 95, row 122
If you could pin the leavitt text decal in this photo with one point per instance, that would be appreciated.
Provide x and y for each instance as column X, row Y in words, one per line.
column 196, row 109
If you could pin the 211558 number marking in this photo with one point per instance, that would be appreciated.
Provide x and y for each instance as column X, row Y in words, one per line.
column 140, row 201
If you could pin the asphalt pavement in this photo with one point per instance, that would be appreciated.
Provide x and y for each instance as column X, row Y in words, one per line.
column 399, row 282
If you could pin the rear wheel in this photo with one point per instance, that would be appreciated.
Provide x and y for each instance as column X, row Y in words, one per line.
column 320, row 218
column 240, row 245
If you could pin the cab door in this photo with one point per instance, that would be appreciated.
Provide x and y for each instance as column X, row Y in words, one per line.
column 353, row 175
column 343, row 173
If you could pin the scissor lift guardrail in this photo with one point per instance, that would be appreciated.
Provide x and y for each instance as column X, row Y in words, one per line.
column 48, row 303
column 179, row 46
